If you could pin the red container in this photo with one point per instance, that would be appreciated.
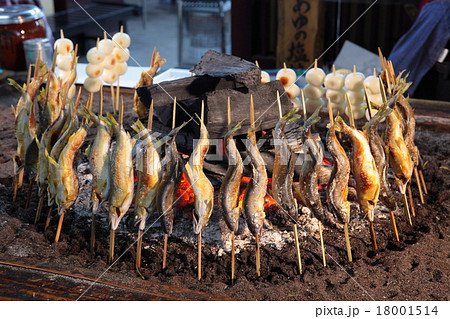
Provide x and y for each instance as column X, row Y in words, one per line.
column 17, row 24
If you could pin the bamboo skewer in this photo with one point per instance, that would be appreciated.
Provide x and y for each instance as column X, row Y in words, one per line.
column 347, row 238
column 48, row 219
column 302, row 94
column 30, row 192
column 40, row 205
column 350, row 111
column 322, row 245
column 58, row 229
column 419, row 186
column 411, row 202
column 199, row 255
column 297, row 248
column 113, row 99
column 394, row 225
column 112, row 237
column 423, row 182
column 374, row 238
column 405, row 201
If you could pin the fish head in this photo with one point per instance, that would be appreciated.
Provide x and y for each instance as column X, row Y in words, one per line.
column 115, row 216
column 201, row 214
column 368, row 208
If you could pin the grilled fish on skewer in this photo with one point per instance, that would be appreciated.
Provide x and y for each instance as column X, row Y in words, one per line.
column 364, row 169
column 201, row 186
column 121, row 174
column 253, row 204
column 379, row 156
column 337, row 188
column 283, row 167
column 229, row 190
column 148, row 168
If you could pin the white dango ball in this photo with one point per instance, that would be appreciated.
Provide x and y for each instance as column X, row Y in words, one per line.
column 313, row 92
column 121, row 68
column 63, row 46
column 356, row 97
column 334, row 81
column 376, row 98
column 121, row 39
column 109, row 62
column 95, row 55
column 64, row 75
column 265, row 77
column 296, row 102
column 293, row 91
column 64, row 62
column 336, row 96
column 315, row 77
column 94, row 70
column 286, row 76
column 338, row 108
column 121, row 55
column 110, row 76
column 354, row 81
column 106, row 45
column 93, row 84
column 372, row 84
column 312, row 104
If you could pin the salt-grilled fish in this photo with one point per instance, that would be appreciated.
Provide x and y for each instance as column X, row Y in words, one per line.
column 229, row 190
column 364, row 169
column 283, row 167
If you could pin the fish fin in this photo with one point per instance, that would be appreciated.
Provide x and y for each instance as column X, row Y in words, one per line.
column 87, row 152
column 50, row 159
column 339, row 124
column 292, row 115
column 234, row 129
column 138, row 126
column 177, row 129
column 16, row 86
column 13, row 110
column 111, row 119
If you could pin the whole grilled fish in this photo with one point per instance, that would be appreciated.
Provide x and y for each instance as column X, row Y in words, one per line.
column 254, row 196
column 171, row 173
column 201, row 186
column 121, row 174
column 99, row 159
column 67, row 188
column 229, row 190
column 379, row 155
column 148, row 168
column 364, row 169
column 283, row 168
column 399, row 156
column 337, row 188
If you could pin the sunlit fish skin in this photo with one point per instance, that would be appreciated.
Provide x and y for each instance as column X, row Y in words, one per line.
column 65, row 174
column 99, row 159
column 379, row 155
column 283, row 168
column 399, row 158
column 201, row 186
column 364, row 169
column 403, row 107
column 337, row 188
column 121, row 173
column 254, row 196
column 148, row 168
column 171, row 173
column 229, row 190
column 54, row 101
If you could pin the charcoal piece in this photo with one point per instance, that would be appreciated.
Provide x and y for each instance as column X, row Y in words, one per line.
column 183, row 89
column 233, row 68
column 264, row 100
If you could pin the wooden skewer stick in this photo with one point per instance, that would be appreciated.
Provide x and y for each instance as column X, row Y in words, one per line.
column 30, row 192
column 117, row 92
column 322, row 245
column 58, row 230
column 121, row 114
column 174, row 112
column 139, row 250
column 199, row 255
column 419, row 186
column 302, row 94
column 40, row 205
column 423, row 182
column 297, row 248
column 374, row 238
column 334, row 69
column 394, row 225
column 405, row 202
column 383, row 92
column 256, row 63
column 375, row 72
column 369, row 106
column 258, row 257
column 233, row 258
column 350, row 111
column 166, row 239
column 354, row 69
column 252, row 113
column 280, row 112
column 411, row 202
column 112, row 238
column 284, row 66
column 48, row 219
column 315, row 64
column 113, row 99
column 347, row 243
